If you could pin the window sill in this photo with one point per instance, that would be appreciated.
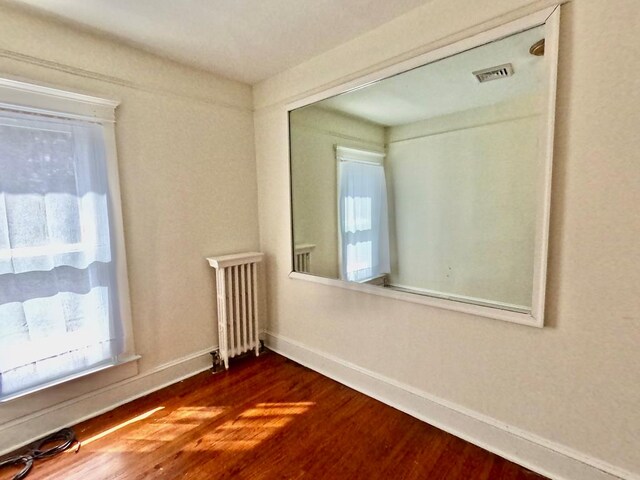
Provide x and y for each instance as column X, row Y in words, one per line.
column 68, row 378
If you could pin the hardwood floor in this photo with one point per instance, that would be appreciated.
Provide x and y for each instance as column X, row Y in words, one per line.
column 267, row 418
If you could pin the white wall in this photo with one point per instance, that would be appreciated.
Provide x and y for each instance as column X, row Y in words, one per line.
column 188, row 181
column 574, row 385
column 464, row 202
column 314, row 134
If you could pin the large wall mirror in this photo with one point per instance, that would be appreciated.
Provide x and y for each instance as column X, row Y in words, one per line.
column 433, row 183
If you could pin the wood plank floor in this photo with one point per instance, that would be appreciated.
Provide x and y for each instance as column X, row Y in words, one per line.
column 268, row 418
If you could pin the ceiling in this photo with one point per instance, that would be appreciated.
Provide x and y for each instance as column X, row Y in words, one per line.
column 247, row 40
column 448, row 86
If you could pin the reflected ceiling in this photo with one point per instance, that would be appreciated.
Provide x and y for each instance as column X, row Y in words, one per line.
column 448, row 86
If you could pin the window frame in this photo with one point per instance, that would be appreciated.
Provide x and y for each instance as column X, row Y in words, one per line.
column 22, row 96
column 356, row 155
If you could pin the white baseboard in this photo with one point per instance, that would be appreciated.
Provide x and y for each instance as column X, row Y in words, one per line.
column 100, row 401
column 535, row 453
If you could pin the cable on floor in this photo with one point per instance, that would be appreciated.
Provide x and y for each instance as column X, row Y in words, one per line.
column 65, row 438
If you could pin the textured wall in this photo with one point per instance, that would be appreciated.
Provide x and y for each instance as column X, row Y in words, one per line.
column 188, row 181
column 464, row 202
column 577, row 381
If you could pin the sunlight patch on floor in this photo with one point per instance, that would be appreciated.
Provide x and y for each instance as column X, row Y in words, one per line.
column 251, row 427
column 159, row 432
column 246, row 431
column 120, row 426
column 261, row 412
column 199, row 413
column 148, row 435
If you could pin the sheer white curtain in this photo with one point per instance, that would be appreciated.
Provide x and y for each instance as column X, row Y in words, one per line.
column 364, row 223
column 58, row 301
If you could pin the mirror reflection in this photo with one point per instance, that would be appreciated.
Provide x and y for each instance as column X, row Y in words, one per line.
column 426, row 181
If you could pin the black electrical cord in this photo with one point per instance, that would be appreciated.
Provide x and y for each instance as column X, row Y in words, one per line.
column 34, row 451
column 24, row 459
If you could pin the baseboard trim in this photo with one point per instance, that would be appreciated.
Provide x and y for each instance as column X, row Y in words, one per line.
column 535, row 453
column 109, row 397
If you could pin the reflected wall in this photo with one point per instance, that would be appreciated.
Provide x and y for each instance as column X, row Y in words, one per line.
column 459, row 144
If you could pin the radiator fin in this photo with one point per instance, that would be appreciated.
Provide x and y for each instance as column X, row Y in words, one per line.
column 302, row 258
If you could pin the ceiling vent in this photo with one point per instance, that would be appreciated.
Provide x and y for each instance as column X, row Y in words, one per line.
column 494, row 73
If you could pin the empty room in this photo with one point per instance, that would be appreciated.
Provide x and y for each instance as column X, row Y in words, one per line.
column 333, row 239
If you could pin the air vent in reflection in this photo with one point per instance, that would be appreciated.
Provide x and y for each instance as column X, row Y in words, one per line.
column 494, row 73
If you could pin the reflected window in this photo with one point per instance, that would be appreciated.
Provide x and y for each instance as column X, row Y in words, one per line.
column 363, row 215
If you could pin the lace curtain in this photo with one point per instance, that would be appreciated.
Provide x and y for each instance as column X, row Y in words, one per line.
column 364, row 223
column 58, row 301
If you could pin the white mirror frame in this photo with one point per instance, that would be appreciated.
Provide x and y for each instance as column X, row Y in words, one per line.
column 549, row 17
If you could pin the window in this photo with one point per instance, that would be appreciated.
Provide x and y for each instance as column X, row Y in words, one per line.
column 64, row 308
column 363, row 216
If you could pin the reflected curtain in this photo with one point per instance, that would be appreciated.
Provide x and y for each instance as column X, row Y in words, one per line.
column 364, row 223
column 58, row 306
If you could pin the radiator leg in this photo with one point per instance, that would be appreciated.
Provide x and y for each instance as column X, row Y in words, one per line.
column 217, row 361
column 225, row 359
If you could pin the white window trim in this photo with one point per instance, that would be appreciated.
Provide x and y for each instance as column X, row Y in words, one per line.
column 21, row 96
column 347, row 154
